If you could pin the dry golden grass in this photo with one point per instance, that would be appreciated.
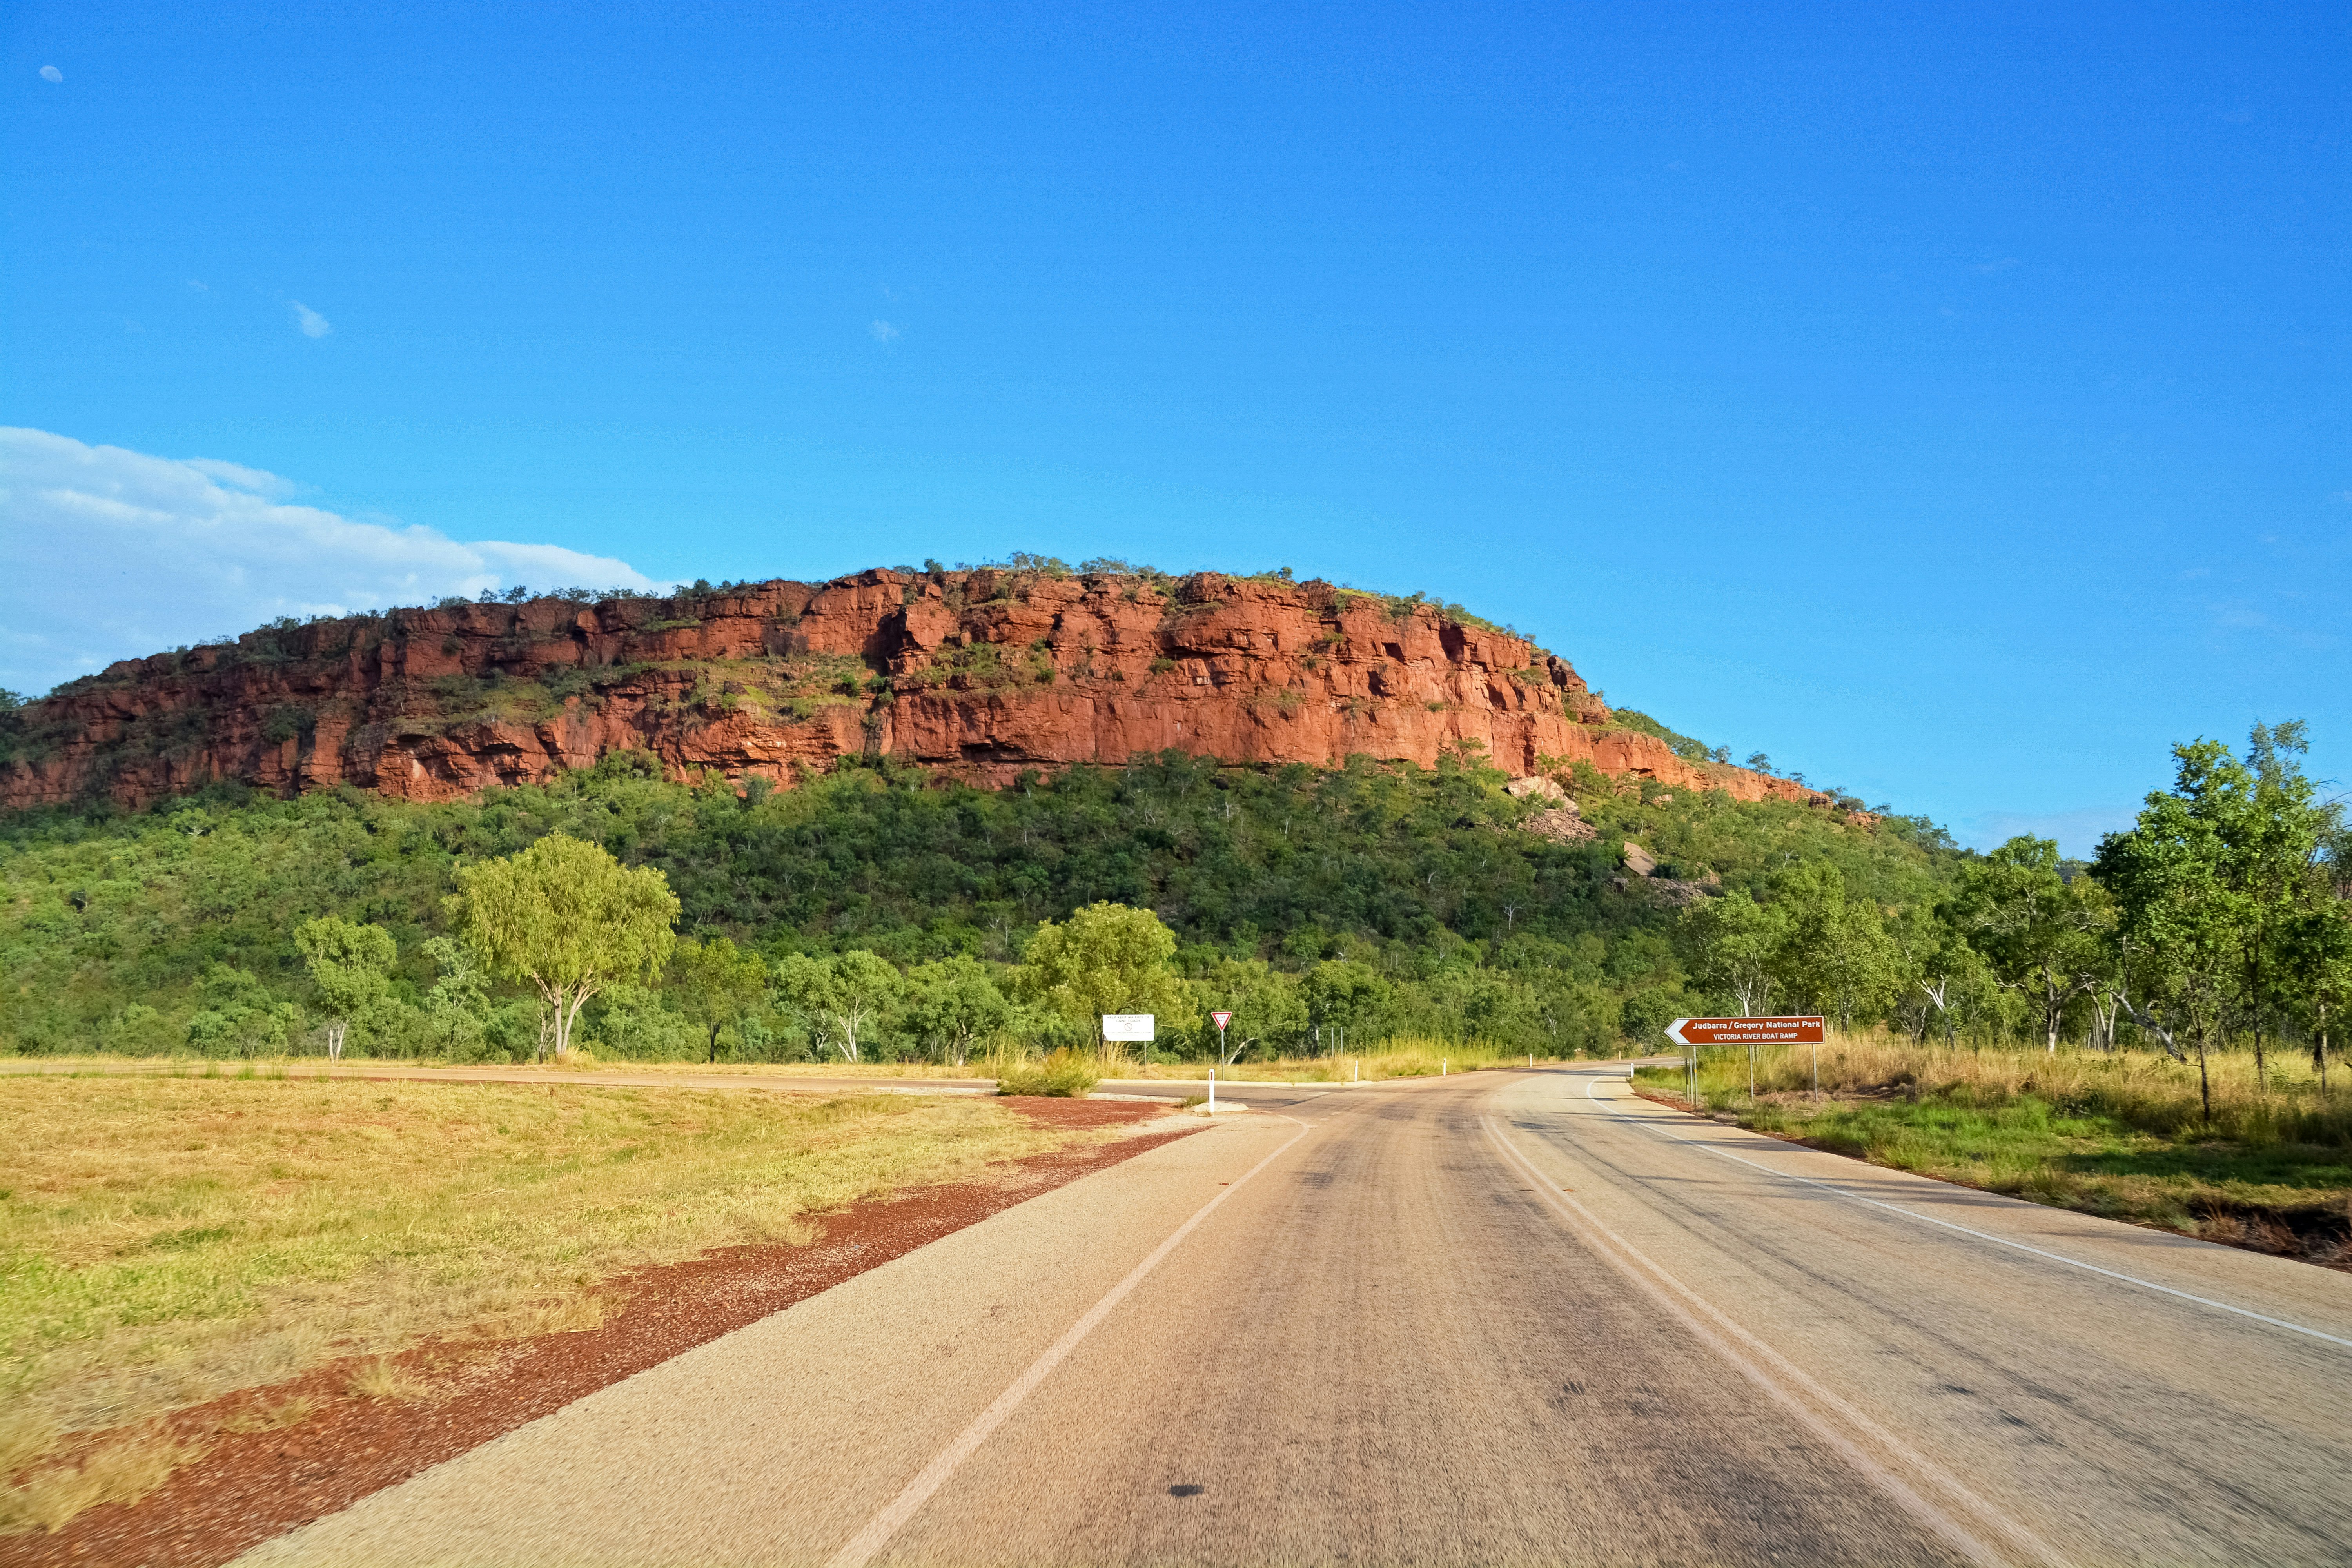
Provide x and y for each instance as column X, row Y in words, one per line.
column 122, row 1471
column 2146, row 1088
column 2122, row 1134
column 578, row 1061
column 276, row 1418
column 164, row 1241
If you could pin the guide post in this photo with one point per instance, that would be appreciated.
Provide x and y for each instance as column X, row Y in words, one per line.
column 1221, row 1020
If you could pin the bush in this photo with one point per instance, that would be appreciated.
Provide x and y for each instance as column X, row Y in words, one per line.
column 1067, row 1073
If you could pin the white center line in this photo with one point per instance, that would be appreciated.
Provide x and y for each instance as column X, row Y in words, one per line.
column 1644, row 1124
column 861, row 1547
column 1898, row 1470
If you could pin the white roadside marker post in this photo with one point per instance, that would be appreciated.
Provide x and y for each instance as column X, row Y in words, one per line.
column 1219, row 1018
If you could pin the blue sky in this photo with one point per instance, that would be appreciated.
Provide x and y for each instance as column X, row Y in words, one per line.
column 1951, row 403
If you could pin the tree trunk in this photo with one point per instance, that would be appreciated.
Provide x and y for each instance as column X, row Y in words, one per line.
column 2204, row 1083
column 714, row 1045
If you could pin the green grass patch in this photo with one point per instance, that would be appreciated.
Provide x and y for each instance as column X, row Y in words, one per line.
column 2121, row 1136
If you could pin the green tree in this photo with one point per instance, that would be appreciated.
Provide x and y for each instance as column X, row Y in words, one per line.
column 1837, row 954
column 1268, row 1012
column 2275, row 850
column 2181, row 918
column 237, row 1011
column 567, row 917
column 1343, row 994
column 2318, row 952
column 952, row 1004
column 2038, row 928
column 716, row 984
column 456, row 1010
column 842, row 996
column 1106, row 958
column 350, row 967
column 1736, row 944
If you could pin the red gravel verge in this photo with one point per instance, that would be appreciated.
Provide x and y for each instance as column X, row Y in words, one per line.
column 252, row 1486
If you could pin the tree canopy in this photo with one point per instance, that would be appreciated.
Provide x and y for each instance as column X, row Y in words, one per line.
column 568, row 917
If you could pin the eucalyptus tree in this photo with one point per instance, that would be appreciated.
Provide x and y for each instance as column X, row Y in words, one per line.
column 2277, row 844
column 350, row 965
column 1835, row 951
column 1106, row 958
column 842, row 997
column 2038, row 927
column 716, row 984
column 571, row 919
column 954, row 1002
column 1739, row 947
column 2181, row 912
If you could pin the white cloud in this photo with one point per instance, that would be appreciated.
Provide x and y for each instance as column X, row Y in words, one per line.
column 311, row 323
column 110, row 554
column 200, row 286
column 884, row 333
column 51, row 73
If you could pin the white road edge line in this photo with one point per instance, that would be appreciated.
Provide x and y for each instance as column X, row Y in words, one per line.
column 1645, row 1123
column 1687, row 1306
column 861, row 1547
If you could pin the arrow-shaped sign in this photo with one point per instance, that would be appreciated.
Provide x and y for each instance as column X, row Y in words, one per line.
column 1745, row 1031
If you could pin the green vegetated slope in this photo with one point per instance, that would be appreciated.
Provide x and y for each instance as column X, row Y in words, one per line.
column 1384, row 900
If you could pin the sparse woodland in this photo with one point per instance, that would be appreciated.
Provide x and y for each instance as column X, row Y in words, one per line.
column 879, row 914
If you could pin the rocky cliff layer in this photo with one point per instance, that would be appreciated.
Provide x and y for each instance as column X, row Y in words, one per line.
column 982, row 673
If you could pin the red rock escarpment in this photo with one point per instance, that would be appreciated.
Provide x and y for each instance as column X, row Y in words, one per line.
column 982, row 673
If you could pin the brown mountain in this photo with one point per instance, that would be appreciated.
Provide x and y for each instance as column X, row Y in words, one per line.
column 979, row 673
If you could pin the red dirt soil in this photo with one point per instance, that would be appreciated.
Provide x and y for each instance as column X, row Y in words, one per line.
column 250, row 1486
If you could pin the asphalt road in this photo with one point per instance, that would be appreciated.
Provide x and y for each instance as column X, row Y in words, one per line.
column 1502, row 1318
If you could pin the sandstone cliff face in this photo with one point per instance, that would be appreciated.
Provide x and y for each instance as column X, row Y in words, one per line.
column 982, row 674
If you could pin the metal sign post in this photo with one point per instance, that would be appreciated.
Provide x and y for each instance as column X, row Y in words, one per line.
column 1221, row 1020
column 1692, row 1032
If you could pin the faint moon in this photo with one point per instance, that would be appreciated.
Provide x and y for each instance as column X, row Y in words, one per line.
column 51, row 73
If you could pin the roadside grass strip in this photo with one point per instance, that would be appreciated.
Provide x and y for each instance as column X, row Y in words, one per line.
column 2008, row 1242
column 167, row 1240
column 2119, row 1136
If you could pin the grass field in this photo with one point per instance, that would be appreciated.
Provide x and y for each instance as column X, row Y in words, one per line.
column 1385, row 1059
column 167, row 1239
column 2122, row 1135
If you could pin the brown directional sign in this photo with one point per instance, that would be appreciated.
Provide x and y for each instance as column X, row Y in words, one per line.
column 1745, row 1031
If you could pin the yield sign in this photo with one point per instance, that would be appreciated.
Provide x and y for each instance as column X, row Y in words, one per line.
column 1745, row 1031
column 1221, row 1019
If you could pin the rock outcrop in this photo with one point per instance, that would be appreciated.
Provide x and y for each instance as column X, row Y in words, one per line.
column 983, row 674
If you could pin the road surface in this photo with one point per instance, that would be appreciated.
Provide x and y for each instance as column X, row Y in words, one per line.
column 1502, row 1318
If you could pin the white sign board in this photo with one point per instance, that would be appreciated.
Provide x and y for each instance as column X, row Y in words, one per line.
column 1126, row 1026
column 1221, row 1019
